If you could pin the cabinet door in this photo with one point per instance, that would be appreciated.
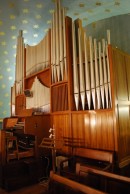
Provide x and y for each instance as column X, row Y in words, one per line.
column 119, row 66
column 20, row 104
column 38, row 125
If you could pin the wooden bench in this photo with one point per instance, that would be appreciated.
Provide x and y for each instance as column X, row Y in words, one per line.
column 59, row 184
column 111, row 182
column 98, row 159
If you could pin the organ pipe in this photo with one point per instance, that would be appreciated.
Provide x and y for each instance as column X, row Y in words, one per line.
column 97, row 76
column 87, row 73
column 57, row 43
column 97, row 73
column 75, row 70
column 19, row 74
column 81, row 70
column 92, row 73
column 61, row 41
column 64, row 44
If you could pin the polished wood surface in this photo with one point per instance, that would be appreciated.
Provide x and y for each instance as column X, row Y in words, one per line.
column 87, row 169
column 74, row 185
column 121, row 101
column 90, row 127
column 20, row 102
column 38, row 126
column 2, row 147
column 39, row 188
column 94, row 154
column 59, row 97
column 9, row 122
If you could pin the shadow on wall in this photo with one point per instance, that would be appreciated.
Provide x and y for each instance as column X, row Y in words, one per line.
column 119, row 29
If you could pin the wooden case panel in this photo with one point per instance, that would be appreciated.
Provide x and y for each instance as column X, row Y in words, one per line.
column 2, row 147
column 119, row 70
column 124, row 134
column 61, row 124
column 38, row 125
column 59, row 97
column 127, row 62
column 121, row 90
column 96, row 128
column 20, row 104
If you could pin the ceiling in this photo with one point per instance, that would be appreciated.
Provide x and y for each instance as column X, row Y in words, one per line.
column 34, row 18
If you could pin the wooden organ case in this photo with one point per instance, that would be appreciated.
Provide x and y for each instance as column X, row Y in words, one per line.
column 88, row 82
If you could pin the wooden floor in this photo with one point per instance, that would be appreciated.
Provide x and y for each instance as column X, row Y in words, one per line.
column 39, row 188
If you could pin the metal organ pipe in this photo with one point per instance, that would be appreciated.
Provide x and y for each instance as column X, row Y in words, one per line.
column 19, row 76
column 97, row 72
column 57, row 44
column 108, row 67
column 97, row 82
column 52, row 76
column 58, row 58
column 92, row 73
column 38, row 56
column 54, row 50
column 81, row 70
column 61, row 42
column 64, row 43
column 87, row 73
column 105, row 71
column 75, row 70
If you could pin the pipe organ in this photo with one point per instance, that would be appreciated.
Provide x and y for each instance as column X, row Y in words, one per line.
column 81, row 82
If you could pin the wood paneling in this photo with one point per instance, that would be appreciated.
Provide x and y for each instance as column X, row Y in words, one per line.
column 2, row 147
column 121, row 97
column 96, row 128
column 59, row 97
column 20, row 104
column 124, row 133
column 61, row 124
column 119, row 70
column 127, row 62
column 38, row 126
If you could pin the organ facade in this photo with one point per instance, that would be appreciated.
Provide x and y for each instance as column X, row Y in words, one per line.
column 80, row 82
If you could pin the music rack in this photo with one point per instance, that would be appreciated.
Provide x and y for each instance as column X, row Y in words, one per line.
column 54, row 145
